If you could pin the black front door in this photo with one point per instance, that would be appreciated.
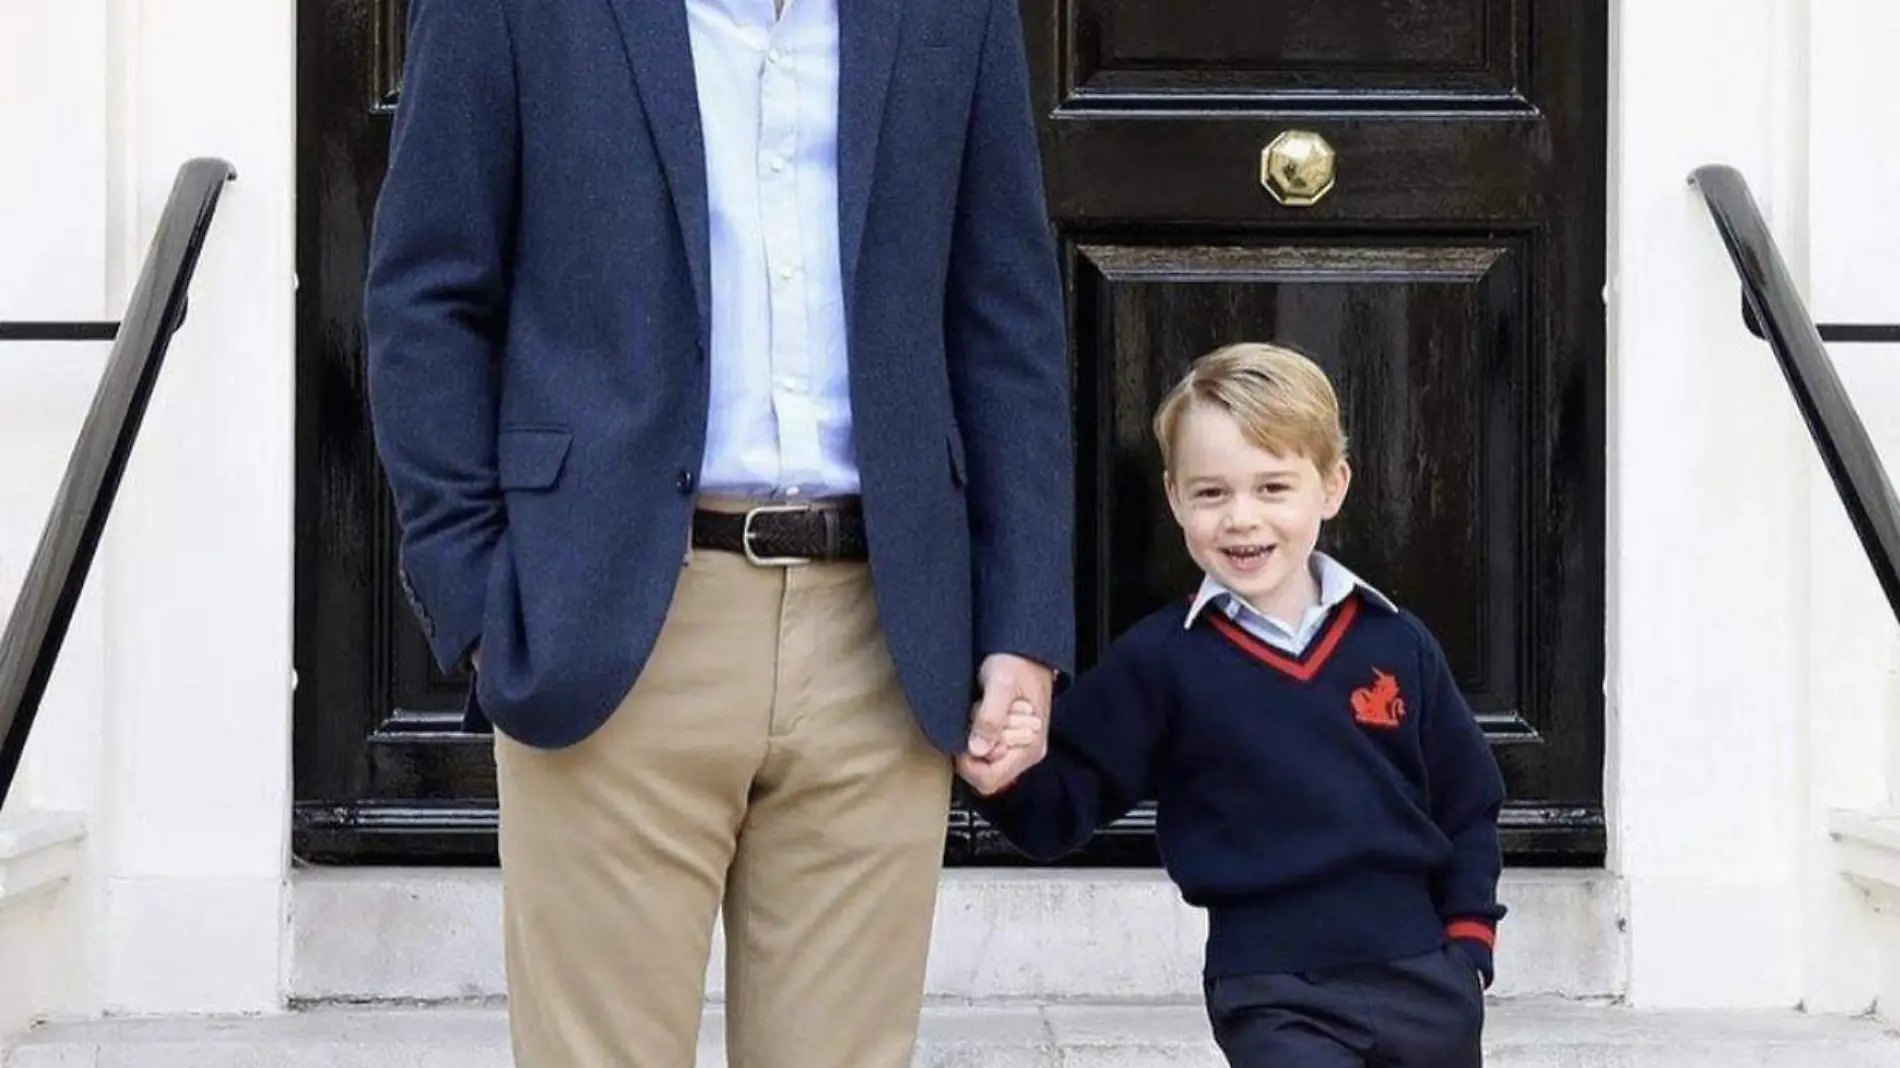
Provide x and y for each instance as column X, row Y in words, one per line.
column 1449, row 276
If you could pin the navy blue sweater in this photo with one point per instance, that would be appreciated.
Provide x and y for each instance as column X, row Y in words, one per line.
column 1335, row 808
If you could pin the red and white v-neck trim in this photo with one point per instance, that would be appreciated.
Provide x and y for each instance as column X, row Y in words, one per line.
column 1302, row 667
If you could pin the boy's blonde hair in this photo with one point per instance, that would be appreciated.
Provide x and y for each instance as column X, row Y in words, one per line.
column 1283, row 402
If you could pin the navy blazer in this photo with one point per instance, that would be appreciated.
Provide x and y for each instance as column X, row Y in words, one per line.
column 537, row 315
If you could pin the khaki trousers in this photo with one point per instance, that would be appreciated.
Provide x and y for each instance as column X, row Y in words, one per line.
column 766, row 760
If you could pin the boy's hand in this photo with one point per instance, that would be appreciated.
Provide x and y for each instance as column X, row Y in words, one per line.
column 1022, row 745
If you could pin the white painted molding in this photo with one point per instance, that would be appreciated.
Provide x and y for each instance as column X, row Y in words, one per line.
column 39, row 851
column 1867, row 849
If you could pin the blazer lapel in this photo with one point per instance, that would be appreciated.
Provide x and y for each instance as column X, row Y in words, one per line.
column 660, row 50
column 867, row 48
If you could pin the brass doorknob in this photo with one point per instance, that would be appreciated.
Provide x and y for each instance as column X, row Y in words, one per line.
column 1297, row 168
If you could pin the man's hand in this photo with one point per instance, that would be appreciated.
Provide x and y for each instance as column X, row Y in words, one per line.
column 1021, row 746
column 1015, row 692
column 1005, row 679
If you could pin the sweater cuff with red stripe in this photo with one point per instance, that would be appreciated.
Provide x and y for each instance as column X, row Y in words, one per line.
column 1476, row 940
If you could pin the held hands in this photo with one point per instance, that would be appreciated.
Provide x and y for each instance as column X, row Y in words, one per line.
column 1008, row 730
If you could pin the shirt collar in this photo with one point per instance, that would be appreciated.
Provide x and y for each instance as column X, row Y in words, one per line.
column 1336, row 581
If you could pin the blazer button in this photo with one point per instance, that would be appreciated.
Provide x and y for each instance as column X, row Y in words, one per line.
column 685, row 481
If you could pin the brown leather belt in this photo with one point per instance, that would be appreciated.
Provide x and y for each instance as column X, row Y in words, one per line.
column 780, row 535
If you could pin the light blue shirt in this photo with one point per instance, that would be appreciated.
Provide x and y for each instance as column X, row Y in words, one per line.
column 1335, row 584
column 780, row 418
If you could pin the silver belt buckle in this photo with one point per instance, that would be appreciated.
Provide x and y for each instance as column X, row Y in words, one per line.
column 746, row 535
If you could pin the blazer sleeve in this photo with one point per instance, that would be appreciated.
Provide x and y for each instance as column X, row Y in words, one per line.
column 1008, row 358
column 434, row 309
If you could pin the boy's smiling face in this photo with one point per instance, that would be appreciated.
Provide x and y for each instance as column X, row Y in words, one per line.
column 1250, row 516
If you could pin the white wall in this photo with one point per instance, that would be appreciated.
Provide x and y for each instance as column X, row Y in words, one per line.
column 198, row 691
column 1854, row 274
column 1750, row 679
column 186, row 672
column 53, row 216
column 53, row 190
column 1708, row 505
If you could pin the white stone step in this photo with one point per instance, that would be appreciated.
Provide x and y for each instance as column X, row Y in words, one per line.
column 1040, row 935
column 1529, row 1033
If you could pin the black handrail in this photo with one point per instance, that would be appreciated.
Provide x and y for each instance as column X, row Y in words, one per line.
column 1773, row 303
column 58, row 331
column 36, row 627
column 1844, row 333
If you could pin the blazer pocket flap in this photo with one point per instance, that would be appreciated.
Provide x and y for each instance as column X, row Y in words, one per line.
column 531, row 459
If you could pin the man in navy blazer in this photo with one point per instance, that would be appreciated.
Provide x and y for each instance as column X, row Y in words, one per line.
column 717, row 364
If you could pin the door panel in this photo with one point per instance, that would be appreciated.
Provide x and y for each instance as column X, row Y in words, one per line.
column 1206, row 171
column 1427, row 381
column 1291, row 47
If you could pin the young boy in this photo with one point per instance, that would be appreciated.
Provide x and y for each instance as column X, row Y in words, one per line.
column 1323, row 790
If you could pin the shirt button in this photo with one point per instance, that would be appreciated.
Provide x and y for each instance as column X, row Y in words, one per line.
column 685, row 481
column 773, row 56
column 776, row 163
column 787, row 271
